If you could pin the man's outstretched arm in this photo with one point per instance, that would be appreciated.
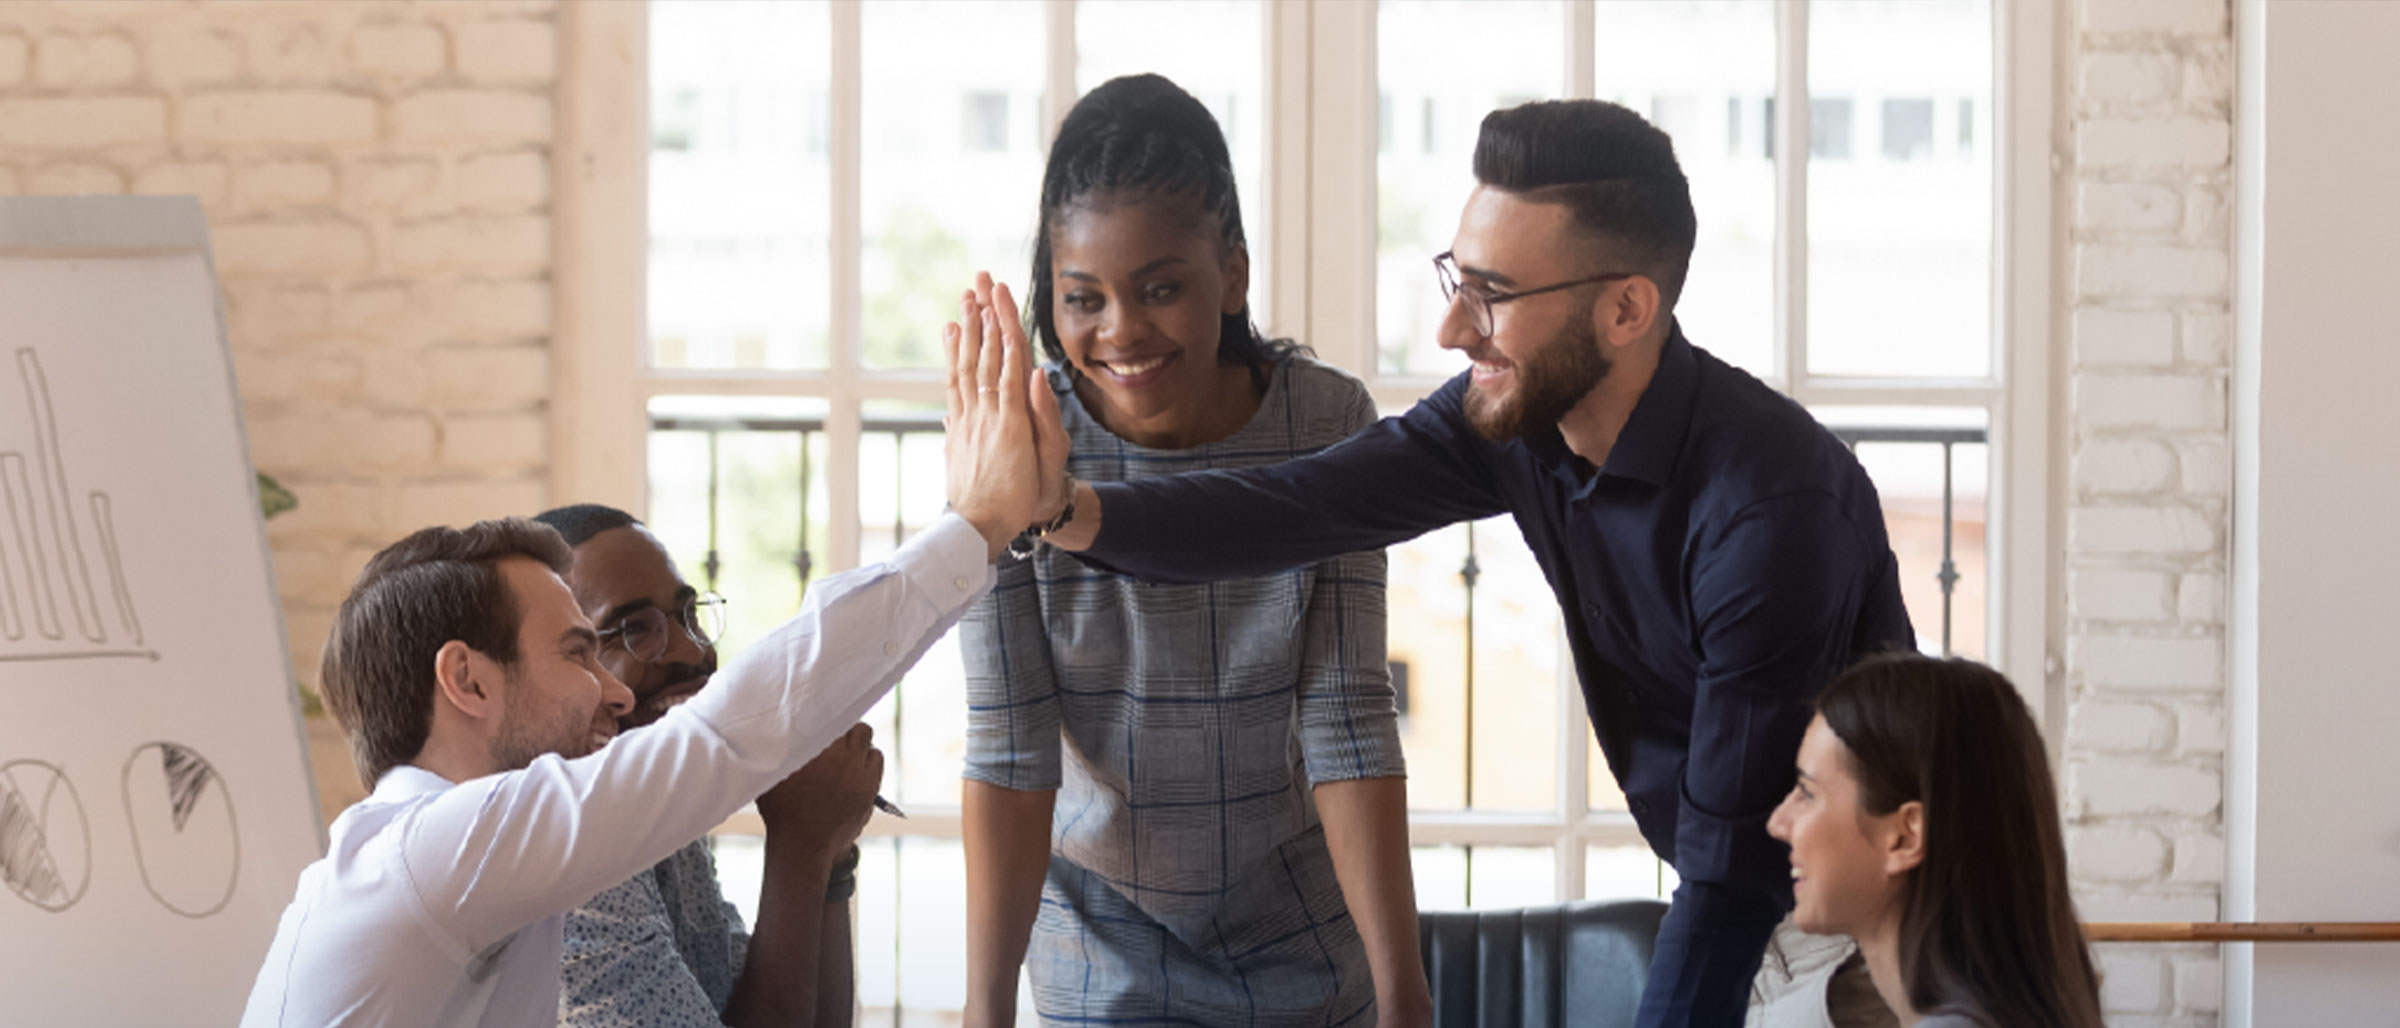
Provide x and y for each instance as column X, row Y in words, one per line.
column 1393, row 481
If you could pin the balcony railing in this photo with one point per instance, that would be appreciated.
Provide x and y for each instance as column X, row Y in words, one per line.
column 1949, row 439
column 898, row 426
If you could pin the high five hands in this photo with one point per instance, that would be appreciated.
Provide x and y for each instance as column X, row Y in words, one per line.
column 1006, row 449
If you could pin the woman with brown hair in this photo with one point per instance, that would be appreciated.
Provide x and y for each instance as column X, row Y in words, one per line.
column 1925, row 825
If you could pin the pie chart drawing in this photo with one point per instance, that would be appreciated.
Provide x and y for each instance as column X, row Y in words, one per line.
column 45, row 840
column 184, row 834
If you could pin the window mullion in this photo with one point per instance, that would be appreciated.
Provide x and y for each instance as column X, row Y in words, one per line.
column 1582, row 67
column 2024, row 613
column 848, row 243
column 1791, row 193
column 1342, row 186
column 1574, row 774
column 1290, row 109
column 1058, row 71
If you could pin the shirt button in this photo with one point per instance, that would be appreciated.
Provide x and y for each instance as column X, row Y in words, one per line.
column 960, row 582
column 891, row 649
column 1591, row 610
column 1639, row 807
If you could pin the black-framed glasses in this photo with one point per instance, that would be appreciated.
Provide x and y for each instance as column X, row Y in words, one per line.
column 644, row 634
column 1481, row 301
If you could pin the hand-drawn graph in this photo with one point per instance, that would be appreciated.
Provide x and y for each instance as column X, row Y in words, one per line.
column 184, row 834
column 45, row 840
column 43, row 561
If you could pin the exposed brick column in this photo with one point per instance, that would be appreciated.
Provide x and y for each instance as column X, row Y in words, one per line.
column 2147, row 540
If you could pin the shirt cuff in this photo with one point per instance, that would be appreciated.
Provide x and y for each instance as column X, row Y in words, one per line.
column 947, row 561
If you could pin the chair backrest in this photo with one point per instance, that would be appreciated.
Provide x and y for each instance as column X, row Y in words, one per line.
column 1580, row 964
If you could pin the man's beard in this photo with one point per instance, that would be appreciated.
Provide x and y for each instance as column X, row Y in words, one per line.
column 1550, row 382
column 525, row 735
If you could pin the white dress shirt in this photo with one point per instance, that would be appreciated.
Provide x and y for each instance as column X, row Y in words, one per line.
column 444, row 904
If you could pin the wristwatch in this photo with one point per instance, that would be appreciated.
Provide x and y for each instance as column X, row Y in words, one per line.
column 844, row 880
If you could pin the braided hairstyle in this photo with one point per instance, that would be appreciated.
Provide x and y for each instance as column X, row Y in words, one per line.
column 1143, row 137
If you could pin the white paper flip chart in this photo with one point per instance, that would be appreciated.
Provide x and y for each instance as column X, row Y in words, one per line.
column 155, row 800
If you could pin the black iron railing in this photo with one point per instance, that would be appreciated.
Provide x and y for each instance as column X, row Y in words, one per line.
column 1949, row 439
column 898, row 426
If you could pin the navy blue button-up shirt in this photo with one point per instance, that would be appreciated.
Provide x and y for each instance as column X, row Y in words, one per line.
column 1724, row 563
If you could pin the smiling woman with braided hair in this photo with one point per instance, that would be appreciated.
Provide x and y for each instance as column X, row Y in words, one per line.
column 1184, row 804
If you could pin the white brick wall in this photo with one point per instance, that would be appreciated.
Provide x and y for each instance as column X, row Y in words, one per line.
column 2150, row 166
column 377, row 180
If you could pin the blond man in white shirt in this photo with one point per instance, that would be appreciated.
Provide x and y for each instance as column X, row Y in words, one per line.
column 470, row 684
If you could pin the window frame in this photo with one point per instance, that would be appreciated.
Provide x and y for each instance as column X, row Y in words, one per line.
column 1321, row 151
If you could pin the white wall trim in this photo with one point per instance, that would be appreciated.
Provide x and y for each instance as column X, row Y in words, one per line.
column 2027, row 613
column 2240, row 896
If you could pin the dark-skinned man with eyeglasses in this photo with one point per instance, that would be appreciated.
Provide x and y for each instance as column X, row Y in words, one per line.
column 1717, row 554
column 664, row 948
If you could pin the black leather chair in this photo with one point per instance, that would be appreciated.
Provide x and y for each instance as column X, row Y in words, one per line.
column 1579, row 964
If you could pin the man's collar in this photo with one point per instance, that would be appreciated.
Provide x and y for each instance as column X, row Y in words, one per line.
column 1653, row 436
column 409, row 781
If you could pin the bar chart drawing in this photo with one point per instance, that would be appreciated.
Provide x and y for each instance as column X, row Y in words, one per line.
column 52, row 584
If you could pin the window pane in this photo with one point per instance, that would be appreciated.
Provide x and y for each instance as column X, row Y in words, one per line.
column 1904, row 452
column 741, row 870
column 744, row 507
column 1514, row 682
column 1215, row 50
column 1601, row 786
column 1427, row 631
column 740, row 166
column 884, row 970
column 1484, row 877
column 922, row 725
column 1716, row 111
column 1442, row 65
column 912, row 934
column 1441, row 876
column 1900, row 232
column 1504, row 877
column 1829, row 128
column 1517, row 652
column 951, row 162
column 1624, row 872
column 1907, row 130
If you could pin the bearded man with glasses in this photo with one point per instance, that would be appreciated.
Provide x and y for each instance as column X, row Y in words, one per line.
column 664, row 948
column 1717, row 554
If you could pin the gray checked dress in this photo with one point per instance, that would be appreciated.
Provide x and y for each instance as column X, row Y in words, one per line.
column 1183, row 727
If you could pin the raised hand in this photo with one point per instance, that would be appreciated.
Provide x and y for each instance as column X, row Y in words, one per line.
column 1049, row 432
column 995, row 467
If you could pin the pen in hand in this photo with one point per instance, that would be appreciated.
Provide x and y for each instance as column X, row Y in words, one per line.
column 889, row 807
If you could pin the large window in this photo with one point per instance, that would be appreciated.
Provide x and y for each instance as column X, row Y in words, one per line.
column 825, row 177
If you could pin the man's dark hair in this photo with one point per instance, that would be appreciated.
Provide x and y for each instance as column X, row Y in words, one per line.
column 579, row 522
column 1614, row 171
column 418, row 594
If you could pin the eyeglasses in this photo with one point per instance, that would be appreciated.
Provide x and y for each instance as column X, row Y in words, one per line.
column 1481, row 301
column 644, row 634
